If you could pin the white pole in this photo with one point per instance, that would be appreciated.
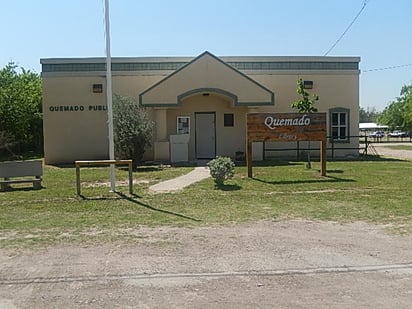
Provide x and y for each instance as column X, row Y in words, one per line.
column 109, row 95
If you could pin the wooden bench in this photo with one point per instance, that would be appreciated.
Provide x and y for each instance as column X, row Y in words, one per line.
column 79, row 164
column 13, row 172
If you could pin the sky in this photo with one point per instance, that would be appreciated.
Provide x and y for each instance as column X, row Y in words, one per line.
column 381, row 35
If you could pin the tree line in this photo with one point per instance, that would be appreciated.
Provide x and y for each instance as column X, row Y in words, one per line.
column 396, row 115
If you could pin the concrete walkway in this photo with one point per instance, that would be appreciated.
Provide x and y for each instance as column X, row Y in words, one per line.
column 176, row 184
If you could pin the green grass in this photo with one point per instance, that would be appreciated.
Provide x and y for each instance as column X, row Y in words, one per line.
column 372, row 191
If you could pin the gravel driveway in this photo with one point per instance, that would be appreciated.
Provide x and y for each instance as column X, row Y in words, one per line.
column 286, row 264
column 383, row 150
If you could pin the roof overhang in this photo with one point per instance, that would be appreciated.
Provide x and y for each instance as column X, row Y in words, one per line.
column 207, row 73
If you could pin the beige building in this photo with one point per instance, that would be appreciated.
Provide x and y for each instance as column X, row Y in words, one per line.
column 199, row 105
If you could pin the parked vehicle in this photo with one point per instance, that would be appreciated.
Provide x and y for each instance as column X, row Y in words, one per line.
column 377, row 134
column 398, row 133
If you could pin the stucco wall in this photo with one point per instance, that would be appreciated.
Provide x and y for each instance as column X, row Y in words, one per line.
column 82, row 134
column 206, row 71
column 75, row 118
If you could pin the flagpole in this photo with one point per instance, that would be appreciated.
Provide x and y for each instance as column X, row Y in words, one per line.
column 109, row 95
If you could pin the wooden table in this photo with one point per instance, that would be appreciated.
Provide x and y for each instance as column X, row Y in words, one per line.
column 79, row 164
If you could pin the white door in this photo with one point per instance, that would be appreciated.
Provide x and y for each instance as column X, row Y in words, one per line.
column 205, row 135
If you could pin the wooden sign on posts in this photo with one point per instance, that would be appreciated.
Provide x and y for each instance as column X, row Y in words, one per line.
column 286, row 127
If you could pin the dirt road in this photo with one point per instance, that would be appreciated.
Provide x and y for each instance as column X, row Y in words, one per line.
column 289, row 264
column 383, row 149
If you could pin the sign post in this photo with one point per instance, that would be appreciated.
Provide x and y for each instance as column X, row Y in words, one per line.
column 323, row 157
column 285, row 127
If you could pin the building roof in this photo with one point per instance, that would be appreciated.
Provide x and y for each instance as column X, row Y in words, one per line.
column 371, row 126
column 242, row 63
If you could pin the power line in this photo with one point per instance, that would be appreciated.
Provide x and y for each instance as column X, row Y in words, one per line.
column 365, row 2
column 388, row 68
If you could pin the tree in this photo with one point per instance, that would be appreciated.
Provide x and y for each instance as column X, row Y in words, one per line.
column 305, row 105
column 392, row 115
column 398, row 114
column 133, row 129
column 7, row 143
column 20, row 107
column 406, row 97
column 368, row 115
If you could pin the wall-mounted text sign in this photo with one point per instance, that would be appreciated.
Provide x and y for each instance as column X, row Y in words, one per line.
column 77, row 108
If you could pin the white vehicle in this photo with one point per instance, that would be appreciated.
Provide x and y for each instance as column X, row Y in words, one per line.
column 377, row 134
column 398, row 134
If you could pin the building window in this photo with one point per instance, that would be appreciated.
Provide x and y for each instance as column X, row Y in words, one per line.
column 228, row 120
column 183, row 125
column 339, row 124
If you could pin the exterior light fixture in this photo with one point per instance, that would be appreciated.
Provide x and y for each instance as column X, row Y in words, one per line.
column 97, row 88
column 308, row 84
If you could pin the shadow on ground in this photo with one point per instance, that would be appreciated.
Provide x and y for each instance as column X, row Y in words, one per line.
column 225, row 187
column 327, row 179
column 134, row 198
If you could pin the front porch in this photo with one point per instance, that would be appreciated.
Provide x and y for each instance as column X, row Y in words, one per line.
column 200, row 110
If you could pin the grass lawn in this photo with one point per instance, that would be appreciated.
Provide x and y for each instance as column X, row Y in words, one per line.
column 400, row 147
column 374, row 191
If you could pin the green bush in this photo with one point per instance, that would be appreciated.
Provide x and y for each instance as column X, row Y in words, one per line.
column 221, row 168
column 20, row 109
column 133, row 129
